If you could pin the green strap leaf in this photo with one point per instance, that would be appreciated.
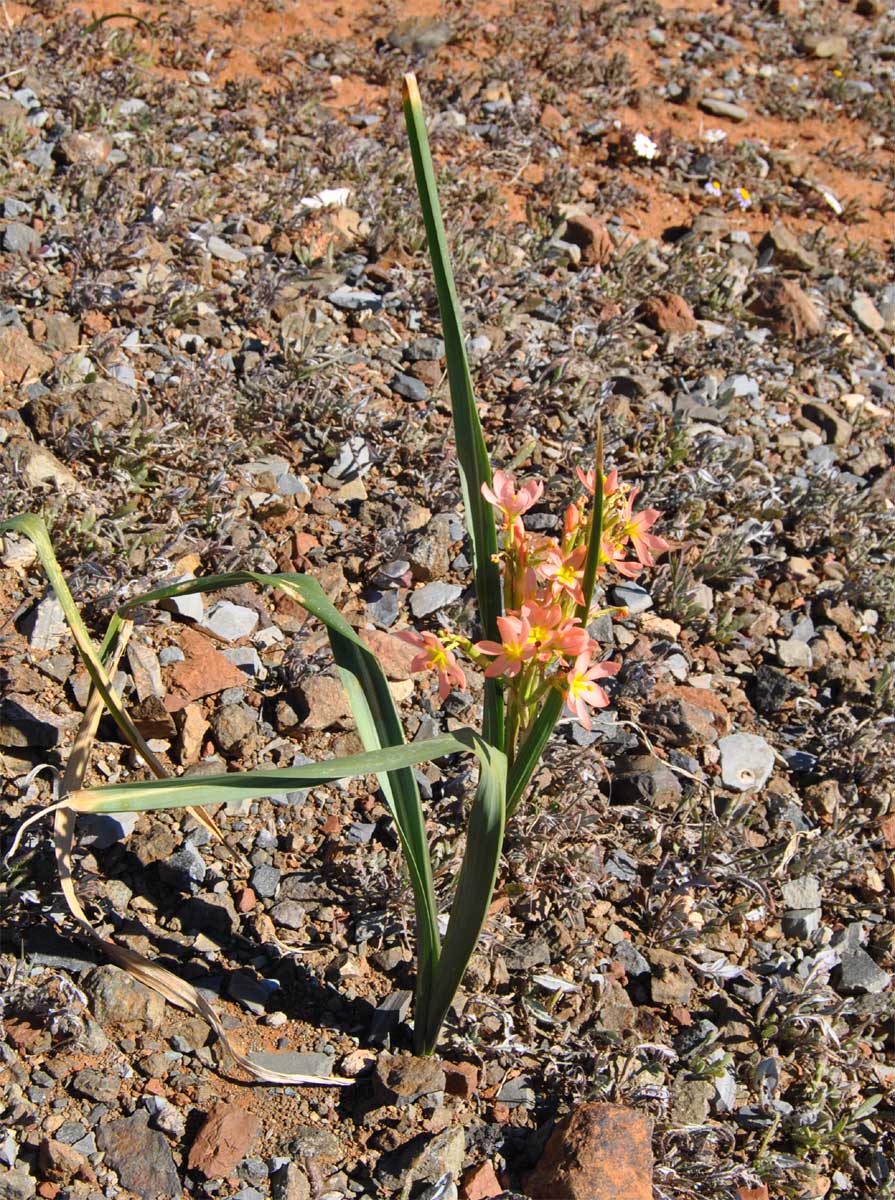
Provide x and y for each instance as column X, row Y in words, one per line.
column 472, row 454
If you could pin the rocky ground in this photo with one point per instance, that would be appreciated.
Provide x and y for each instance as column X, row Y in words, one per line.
column 677, row 217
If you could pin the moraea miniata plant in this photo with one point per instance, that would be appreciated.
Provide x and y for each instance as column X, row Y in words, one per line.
column 534, row 598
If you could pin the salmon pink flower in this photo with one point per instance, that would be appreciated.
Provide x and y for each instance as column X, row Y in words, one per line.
column 582, row 688
column 614, row 553
column 635, row 526
column 503, row 495
column 563, row 571
column 513, row 651
column 434, row 656
column 586, row 478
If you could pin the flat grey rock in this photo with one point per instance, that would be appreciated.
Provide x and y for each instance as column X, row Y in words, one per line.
column 355, row 299
column 433, row 596
column 230, row 621
column 218, row 248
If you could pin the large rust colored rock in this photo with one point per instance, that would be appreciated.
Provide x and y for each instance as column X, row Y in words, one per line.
column 599, row 1152
column 223, row 1141
column 791, row 312
column 668, row 313
column 593, row 239
column 203, row 672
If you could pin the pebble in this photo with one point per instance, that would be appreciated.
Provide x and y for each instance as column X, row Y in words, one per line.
column 792, row 652
column 631, row 596
column 724, row 108
column 426, row 1158
column 119, row 999
column 230, row 622
column 17, row 1185
column 185, row 869
column 599, row 1151
column 222, row 250
column 867, row 314
column 747, row 761
column 858, row 974
column 265, row 880
column 165, row 1116
column 46, row 625
column 410, row 388
column 140, row 1156
column 19, row 238
column 403, row 1079
column 355, row 299
column 225, row 1137
column 670, row 981
column 434, row 596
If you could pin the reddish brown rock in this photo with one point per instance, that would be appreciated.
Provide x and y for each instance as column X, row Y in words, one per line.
column 395, row 655
column 480, row 1183
column 223, row 1141
column 61, row 1163
column 203, row 672
column 461, row 1079
column 599, row 1152
column 21, row 361
column 785, row 305
column 668, row 313
column 593, row 239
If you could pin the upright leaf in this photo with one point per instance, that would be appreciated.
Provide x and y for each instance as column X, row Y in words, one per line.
column 472, row 454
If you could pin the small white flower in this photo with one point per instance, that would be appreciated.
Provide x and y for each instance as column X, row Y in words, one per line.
column 713, row 136
column 713, row 187
column 743, row 197
column 645, row 147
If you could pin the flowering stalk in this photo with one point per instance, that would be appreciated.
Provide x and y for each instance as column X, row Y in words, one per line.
column 544, row 651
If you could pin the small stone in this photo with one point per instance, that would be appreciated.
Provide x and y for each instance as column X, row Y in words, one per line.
column 230, row 622
column 218, row 248
column 838, row 431
column 772, row 690
column 17, row 1185
column 803, row 892
column 119, row 999
column 668, row 313
column 434, row 596
column 481, row 1183
column 460, row 1079
column 410, row 388
column 592, row 238
column 792, row 652
column 671, row 983
column 46, row 624
column 867, row 314
column 226, row 1136
column 265, row 880
column 19, row 238
column 325, row 702
column 828, row 45
column 859, row 974
column 289, row 914
column 401, row 1079
column 786, row 249
column 39, row 467
column 96, row 1085
column 293, row 1062
column 690, row 1101
column 426, row 1158
column 140, row 1156
column 631, row 596
column 204, row 672
column 598, row 1152
column 419, row 35
column 747, row 761
column 232, row 726
column 784, row 303
column 21, row 361
column 724, row 108
column 27, row 724
column 184, row 870
column 191, row 607
column 355, row 299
